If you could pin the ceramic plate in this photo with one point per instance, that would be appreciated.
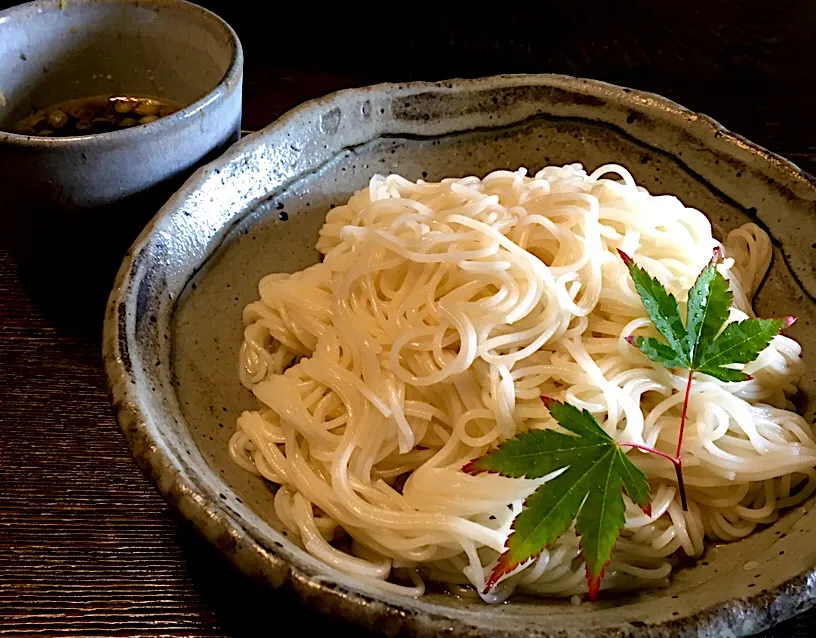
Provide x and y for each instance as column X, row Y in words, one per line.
column 173, row 327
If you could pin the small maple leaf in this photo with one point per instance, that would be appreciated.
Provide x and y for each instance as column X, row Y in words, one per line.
column 701, row 344
column 589, row 489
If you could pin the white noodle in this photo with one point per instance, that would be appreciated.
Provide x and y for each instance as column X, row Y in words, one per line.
column 439, row 314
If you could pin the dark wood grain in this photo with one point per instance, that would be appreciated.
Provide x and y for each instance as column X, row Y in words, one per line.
column 87, row 547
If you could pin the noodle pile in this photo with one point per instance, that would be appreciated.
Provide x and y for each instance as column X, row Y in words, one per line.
column 439, row 315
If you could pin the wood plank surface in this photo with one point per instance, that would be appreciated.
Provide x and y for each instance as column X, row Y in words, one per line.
column 87, row 547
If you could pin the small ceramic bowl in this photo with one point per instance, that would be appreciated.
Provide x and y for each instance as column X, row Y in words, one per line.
column 82, row 200
column 173, row 328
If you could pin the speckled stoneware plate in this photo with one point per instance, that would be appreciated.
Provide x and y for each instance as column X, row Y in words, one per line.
column 173, row 326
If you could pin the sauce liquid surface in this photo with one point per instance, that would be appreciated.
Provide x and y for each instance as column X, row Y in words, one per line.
column 97, row 114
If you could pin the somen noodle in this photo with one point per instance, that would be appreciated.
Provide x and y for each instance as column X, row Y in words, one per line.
column 438, row 316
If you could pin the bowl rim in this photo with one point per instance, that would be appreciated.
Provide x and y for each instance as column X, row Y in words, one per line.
column 231, row 77
column 184, row 489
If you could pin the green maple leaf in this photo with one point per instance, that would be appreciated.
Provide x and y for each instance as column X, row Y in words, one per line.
column 701, row 344
column 589, row 489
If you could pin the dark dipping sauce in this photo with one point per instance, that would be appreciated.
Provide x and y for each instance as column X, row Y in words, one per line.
column 92, row 115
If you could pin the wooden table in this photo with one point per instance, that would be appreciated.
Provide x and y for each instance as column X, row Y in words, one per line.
column 87, row 547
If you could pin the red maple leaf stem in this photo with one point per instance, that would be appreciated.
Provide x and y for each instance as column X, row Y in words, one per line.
column 685, row 412
column 676, row 460
column 651, row 450
column 678, row 467
column 681, row 484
